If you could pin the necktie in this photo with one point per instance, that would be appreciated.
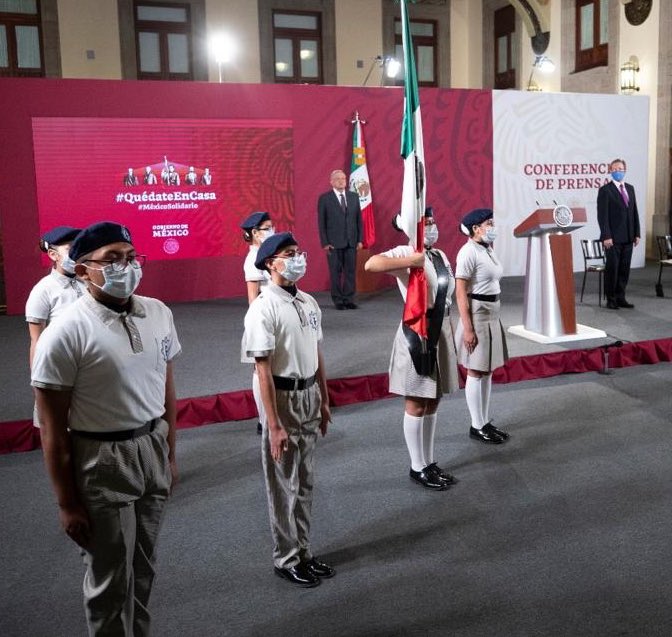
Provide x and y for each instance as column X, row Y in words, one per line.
column 299, row 310
column 75, row 286
column 624, row 194
column 344, row 207
column 133, row 333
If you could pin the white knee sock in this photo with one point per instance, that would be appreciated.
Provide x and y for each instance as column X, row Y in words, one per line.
column 413, row 435
column 428, row 429
column 472, row 392
column 486, row 386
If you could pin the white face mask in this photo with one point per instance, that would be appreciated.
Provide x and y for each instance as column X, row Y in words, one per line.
column 266, row 233
column 295, row 267
column 66, row 263
column 431, row 235
column 122, row 283
column 490, row 234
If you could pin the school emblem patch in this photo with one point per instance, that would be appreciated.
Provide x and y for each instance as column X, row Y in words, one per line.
column 312, row 319
column 165, row 348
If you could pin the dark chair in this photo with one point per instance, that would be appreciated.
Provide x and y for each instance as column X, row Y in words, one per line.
column 664, row 258
column 593, row 261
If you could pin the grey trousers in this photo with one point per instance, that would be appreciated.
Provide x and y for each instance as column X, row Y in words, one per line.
column 289, row 482
column 342, row 268
column 124, row 487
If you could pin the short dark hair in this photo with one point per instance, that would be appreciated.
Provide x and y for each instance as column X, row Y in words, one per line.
column 613, row 161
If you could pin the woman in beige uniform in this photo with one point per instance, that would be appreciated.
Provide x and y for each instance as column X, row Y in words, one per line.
column 256, row 229
column 479, row 337
column 423, row 391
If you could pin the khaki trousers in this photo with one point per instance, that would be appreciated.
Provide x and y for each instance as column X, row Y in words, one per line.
column 124, row 486
column 289, row 482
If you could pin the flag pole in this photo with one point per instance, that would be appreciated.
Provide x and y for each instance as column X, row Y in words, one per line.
column 413, row 190
column 357, row 119
column 359, row 180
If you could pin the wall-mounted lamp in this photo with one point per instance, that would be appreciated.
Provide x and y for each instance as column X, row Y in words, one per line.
column 545, row 65
column 389, row 65
column 630, row 76
column 223, row 50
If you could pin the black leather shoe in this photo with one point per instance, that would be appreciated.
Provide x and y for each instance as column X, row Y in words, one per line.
column 351, row 306
column 624, row 303
column 319, row 569
column 426, row 479
column 612, row 305
column 489, row 437
column 339, row 306
column 489, row 427
column 260, row 429
column 438, row 472
column 298, row 575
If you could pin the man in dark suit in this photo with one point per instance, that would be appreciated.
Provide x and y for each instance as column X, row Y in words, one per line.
column 130, row 179
column 619, row 232
column 339, row 219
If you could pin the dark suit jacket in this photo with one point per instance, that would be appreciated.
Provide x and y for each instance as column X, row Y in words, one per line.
column 341, row 230
column 617, row 222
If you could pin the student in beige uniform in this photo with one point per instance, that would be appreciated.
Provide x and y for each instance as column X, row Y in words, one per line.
column 282, row 334
column 423, row 391
column 104, row 387
column 257, row 227
column 53, row 293
column 480, row 340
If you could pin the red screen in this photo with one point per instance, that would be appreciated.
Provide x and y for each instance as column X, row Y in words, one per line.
column 181, row 186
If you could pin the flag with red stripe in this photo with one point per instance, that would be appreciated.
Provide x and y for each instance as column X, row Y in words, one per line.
column 359, row 183
column 413, row 193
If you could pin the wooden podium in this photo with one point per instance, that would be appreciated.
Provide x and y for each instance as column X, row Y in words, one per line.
column 367, row 281
column 549, row 277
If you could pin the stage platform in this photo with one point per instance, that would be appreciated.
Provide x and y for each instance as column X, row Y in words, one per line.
column 214, row 386
column 561, row 532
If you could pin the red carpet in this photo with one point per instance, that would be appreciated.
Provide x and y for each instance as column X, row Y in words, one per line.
column 20, row 435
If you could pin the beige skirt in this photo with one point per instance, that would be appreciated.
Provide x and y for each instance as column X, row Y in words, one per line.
column 405, row 381
column 490, row 352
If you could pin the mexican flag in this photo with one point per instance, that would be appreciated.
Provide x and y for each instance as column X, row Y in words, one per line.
column 413, row 193
column 359, row 182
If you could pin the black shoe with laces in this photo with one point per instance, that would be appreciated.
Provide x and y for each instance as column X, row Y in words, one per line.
column 319, row 569
column 483, row 435
column 428, row 480
column 489, row 427
column 439, row 473
column 299, row 575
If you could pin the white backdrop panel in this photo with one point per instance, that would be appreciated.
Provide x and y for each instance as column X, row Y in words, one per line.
column 555, row 148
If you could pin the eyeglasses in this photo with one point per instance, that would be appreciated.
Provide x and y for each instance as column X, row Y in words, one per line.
column 291, row 254
column 136, row 261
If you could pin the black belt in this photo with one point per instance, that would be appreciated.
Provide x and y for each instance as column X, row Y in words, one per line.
column 430, row 311
column 293, row 384
column 490, row 298
column 116, row 436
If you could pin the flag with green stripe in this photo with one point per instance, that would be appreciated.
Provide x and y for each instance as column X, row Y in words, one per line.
column 413, row 193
